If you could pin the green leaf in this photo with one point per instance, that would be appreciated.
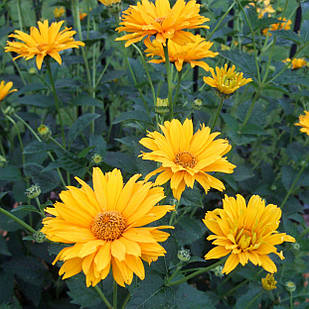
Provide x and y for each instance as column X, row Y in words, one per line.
column 26, row 208
column 9, row 224
column 99, row 144
column 6, row 287
column 37, row 100
column 80, row 125
column 243, row 172
column 287, row 176
column 10, row 173
column 250, row 299
column 36, row 146
column 187, row 230
column 80, row 294
column 3, row 247
column 85, row 100
column 134, row 115
column 186, row 294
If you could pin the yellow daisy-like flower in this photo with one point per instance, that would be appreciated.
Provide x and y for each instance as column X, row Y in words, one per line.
column 304, row 122
column 226, row 80
column 186, row 156
column 59, row 12
column 285, row 25
column 42, row 41
column 245, row 232
column 5, row 89
column 159, row 19
column 269, row 282
column 107, row 227
column 263, row 7
column 109, row 2
column 191, row 52
column 297, row 63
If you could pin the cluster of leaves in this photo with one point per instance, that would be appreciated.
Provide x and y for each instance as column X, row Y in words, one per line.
column 109, row 113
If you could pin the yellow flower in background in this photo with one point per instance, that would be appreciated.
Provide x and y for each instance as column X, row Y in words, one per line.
column 269, row 282
column 284, row 25
column 59, row 12
column 304, row 122
column 191, row 52
column 186, row 156
column 82, row 16
column 5, row 89
column 106, row 226
column 226, row 80
column 109, row 2
column 42, row 41
column 263, row 7
column 159, row 19
column 245, row 232
column 297, row 63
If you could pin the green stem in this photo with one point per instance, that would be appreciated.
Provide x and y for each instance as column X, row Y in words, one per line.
column 102, row 296
column 219, row 22
column 20, row 17
column 102, row 73
column 57, row 143
column 291, row 190
column 218, row 112
column 268, row 62
column 196, row 273
column 57, row 101
column 250, row 110
column 179, row 77
column 126, row 301
column 294, row 297
column 169, row 80
column 174, row 214
column 291, row 300
column 115, row 295
column 17, row 220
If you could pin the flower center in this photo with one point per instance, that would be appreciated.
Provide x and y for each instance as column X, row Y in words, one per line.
column 185, row 159
column 160, row 20
column 108, row 225
column 246, row 238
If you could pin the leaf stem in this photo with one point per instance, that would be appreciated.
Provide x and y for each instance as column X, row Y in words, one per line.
column 250, row 110
column 115, row 294
column 103, row 297
column 169, row 80
column 218, row 112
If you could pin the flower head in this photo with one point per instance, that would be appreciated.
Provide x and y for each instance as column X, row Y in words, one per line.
column 5, row 89
column 283, row 25
column 297, row 63
column 226, row 80
column 146, row 19
column 82, row 16
column 245, row 232
column 191, row 52
column 42, row 41
column 304, row 122
column 269, row 282
column 263, row 7
column 109, row 2
column 59, row 12
column 106, row 226
column 186, row 156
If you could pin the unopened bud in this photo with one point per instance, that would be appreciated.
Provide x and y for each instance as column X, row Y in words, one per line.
column 33, row 191
column 96, row 158
column 290, row 286
column 197, row 103
column 162, row 106
column 44, row 131
column 296, row 246
column 273, row 188
column 3, row 161
column 32, row 71
column 184, row 255
column 218, row 271
column 39, row 237
column 269, row 282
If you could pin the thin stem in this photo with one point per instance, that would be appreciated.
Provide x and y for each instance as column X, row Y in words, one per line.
column 20, row 17
column 179, row 77
column 126, row 301
column 253, row 299
column 218, row 112
column 296, row 296
column 194, row 274
column 102, row 73
column 292, row 187
column 101, row 294
column 291, row 300
column 250, row 110
column 57, row 101
column 115, row 295
column 17, row 220
column 169, row 80
column 268, row 62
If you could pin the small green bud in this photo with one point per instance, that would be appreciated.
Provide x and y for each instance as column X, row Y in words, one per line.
column 32, row 71
column 296, row 246
column 303, row 163
column 290, row 286
column 44, row 131
column 218, row 271
column 162, row 106
column 197, row 103
column 273, row 188
column 39, row 237
column 3, row 161
column 33, row 192
column 96, row 158
column 9, row 111
column 184, row 255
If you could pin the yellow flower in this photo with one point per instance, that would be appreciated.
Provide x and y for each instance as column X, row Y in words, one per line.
column 42, row 41
column 246, row 232
column 109, row 2
column 304, row 122
column 226, row 80
column 263, row 7
column 186, row 156
column 59, row 12
column 146, row 19
column 161, row 106
column 5, row 89
column 106, row 226
column 269, row 282
column 285, row 25
column 82, row 16
column 190, row 52
column 297, row 63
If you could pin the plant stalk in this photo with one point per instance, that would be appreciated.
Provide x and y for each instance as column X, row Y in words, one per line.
column 103, row 297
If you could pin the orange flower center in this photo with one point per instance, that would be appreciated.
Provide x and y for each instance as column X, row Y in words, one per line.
column 246, row 238
column 160, row 20
column 108, row 225
column 185, row 159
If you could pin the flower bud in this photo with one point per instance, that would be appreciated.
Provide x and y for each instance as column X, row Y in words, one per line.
column 3, row 161
column 269, row 282
column 184, row 255
column 9, row 111
column 96, row 158
column 33, row 192
column 218, row 271
column 44, row 131
column 290, row 286
column 296, row 246
column 273, row 188
column 32, row 71
column 39, row 237
column 197, row 103
column 162, row 106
